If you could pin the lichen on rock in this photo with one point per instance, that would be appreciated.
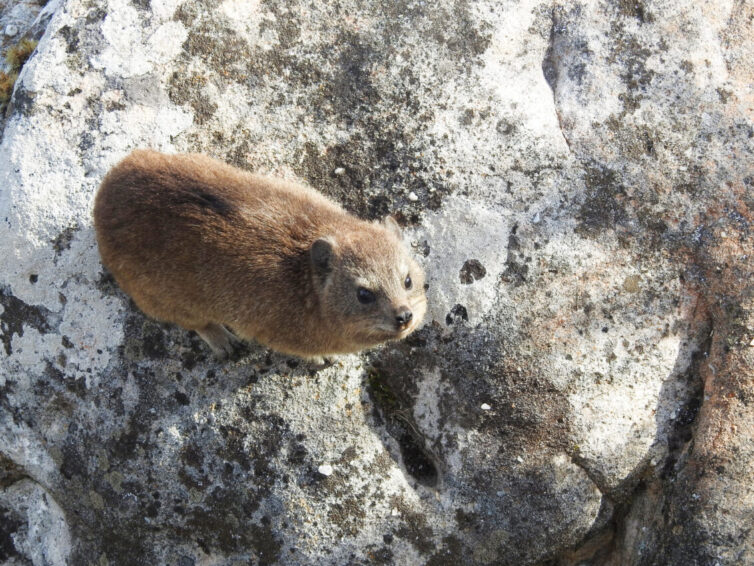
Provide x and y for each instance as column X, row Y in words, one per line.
column 576, row 180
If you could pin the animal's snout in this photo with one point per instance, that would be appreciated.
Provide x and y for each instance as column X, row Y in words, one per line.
column 404, row 317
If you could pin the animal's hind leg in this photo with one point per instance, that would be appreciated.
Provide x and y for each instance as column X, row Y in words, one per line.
column 222, row 342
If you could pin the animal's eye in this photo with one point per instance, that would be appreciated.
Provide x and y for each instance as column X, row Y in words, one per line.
column 365, row 296
column 408, row 282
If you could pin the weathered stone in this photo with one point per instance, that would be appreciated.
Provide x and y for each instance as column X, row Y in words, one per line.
column 576, row 180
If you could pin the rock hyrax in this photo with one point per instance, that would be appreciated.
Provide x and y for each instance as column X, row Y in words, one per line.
column 207, row 246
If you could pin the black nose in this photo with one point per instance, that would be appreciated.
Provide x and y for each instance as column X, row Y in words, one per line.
column 404, row 317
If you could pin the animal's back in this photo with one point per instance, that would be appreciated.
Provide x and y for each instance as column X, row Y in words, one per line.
column 184, row 234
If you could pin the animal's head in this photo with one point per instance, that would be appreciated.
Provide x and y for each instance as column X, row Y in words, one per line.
column 368, row 284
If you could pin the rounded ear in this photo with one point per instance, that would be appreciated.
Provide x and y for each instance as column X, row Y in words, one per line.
column 321, row 254
column 391, row 225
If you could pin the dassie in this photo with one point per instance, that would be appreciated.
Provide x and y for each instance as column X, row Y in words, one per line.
column 207, row 246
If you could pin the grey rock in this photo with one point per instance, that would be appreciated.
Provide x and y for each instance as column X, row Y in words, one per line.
column 20, row 20
column 576, row 180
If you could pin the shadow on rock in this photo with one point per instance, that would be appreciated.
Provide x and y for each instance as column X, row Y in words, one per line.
column 488, row 437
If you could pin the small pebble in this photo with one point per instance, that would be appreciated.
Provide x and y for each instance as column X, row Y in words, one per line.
column 485, row 407
column 339, row 171
column 412, row 196
column 325, row 469
column 11, row 30
column 519, row 459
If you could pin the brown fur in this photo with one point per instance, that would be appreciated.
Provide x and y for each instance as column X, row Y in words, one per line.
column 197, row 242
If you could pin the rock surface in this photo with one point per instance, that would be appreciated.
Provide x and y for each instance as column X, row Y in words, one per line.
column 576, row 179
column 21, row 24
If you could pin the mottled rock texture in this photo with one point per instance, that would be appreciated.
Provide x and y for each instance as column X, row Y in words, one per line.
column 576, row 178
column 22, row 23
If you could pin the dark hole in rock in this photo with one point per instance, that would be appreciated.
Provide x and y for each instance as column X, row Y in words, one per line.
column 472, row 270
column 417, row 463
column 456, row 313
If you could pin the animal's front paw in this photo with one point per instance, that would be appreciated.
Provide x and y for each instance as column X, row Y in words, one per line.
column 223, row 343
column 318, row 363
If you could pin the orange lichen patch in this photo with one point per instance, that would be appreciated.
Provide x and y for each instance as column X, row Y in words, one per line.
column 6, row 86
column 726, row 264
column 18, row 54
